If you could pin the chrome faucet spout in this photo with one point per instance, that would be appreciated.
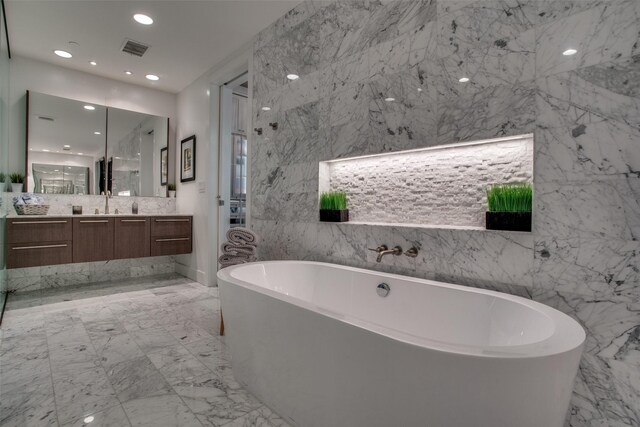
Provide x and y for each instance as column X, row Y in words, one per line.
column 107, row 196
column 382, row 250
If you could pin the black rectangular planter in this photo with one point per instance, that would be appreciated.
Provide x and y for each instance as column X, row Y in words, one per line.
column 511, row 221
column 330, row 215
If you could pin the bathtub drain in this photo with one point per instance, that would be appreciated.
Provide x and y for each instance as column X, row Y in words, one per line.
column 383, row 289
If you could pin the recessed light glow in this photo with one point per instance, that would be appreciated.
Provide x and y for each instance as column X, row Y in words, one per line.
column 63, row 54
column 128, row 73
column 138, row 154
column 45, row 150
column 419, row 89
column 293, row 76
column 94, row 63
column 89, row 107
column 66, row 146
column 389, row 99
column 97, row 133
column 56, row 170
column 143, row 19
column 152, row 77
column 464, row 79
column 266, row 108
column 89, row 419
column 569, row 52
column 80, row 154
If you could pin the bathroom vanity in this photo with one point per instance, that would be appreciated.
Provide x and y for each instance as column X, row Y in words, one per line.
column 48, row 240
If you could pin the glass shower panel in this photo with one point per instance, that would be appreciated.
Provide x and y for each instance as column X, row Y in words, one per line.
column 4, row 161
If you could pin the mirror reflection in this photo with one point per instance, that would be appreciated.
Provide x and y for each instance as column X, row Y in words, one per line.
column 134, row 153
column 66, row 145
column 77, row 147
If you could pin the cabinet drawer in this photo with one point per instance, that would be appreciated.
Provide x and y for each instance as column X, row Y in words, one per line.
column 20, row 255
column 93, row 239
column 170, row 245
column 25, row 230
column 171, row 226
column 132, row 237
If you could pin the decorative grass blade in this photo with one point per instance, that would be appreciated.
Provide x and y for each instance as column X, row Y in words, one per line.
column 510, row 198
column 333, row 200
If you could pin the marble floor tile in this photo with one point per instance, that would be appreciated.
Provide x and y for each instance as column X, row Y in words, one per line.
column 111, row 417
column 160, row 411
column 137, row 378
column 82, row 393
column 136, row 353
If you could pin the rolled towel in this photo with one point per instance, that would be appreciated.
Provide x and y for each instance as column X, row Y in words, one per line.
column 227, row 260
column 242, row 236
column 232, row 249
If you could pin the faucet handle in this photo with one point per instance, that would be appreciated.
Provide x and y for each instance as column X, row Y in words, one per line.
column 379, row 248
column 412, row 253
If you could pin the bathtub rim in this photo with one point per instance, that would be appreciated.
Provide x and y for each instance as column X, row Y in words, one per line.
column 568, row 335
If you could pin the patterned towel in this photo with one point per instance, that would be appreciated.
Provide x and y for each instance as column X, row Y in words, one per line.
column 242, row 236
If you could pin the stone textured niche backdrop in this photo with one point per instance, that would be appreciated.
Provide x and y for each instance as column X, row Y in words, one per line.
column 444, row 186
column 583, row 256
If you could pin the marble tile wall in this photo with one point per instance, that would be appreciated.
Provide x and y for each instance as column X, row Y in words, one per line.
column 583, row 256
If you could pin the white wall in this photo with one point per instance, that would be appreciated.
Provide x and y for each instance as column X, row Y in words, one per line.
column 29, row 74
column 198, row 113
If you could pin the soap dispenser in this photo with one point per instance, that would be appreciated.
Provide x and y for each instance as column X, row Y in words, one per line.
column 134, row 208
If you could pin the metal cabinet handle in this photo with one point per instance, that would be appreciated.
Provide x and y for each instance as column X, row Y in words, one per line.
column 20, row 248
column 174, row 220
column 173, row 240
column 133, row 220
column 37, row 222
column 94, row 221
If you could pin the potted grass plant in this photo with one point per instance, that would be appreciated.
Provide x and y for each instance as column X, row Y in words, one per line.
column 16, row 181
column 3, row 178
column 172, row 190
column 509, row 207
column 333, row 207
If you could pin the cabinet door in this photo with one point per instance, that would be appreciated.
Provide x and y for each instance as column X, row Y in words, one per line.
column 93, row 239
column 29, row 230
column 132, row 238
column 171, row 235
column 21, row 255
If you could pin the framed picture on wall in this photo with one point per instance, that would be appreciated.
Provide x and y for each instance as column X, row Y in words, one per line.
column 188, row 159
column 164, row 166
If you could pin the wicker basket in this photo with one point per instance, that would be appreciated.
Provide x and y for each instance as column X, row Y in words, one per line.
column 31, row 209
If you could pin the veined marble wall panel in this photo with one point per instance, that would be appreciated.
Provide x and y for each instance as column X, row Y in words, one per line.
column 61, row 204
column 55, row 276
column 583, row 255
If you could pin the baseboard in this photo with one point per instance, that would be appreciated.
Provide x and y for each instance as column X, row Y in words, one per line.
column 193, row 274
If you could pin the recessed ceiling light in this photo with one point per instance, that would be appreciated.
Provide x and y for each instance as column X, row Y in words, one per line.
column 419, row 89
column 89, row 419
column 389, row 99
column 94, row 63
column 80, row 154
column 152, row 77
column 128, row 73
column 97, row 133
column 569, row 52
column 143, row 19
column 89, row 107
column 63, row 54
column 66, row 146
column 293, row 76
column 464, row 79
column 266, row 108
column 45, row 150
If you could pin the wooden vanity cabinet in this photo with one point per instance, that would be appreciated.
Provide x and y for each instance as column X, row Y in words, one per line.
column 38, row 241
column 132, row 237
column 171, row 235
column 33, row 242
column 93, row 239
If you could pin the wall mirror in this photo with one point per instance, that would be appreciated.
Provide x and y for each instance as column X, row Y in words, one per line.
column 75, row 147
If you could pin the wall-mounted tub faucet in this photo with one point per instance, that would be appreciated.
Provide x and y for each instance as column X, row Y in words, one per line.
column 383, row 250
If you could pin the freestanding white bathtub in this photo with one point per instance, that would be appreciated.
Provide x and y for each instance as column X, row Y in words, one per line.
column 317, row 344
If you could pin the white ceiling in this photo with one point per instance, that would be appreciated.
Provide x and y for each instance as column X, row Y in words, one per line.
column 187, row 37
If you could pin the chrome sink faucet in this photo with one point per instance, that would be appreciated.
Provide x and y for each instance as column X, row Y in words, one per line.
column 107, row 196
column 383, row 250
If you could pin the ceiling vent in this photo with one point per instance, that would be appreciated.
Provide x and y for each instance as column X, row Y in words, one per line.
column 134, row 48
